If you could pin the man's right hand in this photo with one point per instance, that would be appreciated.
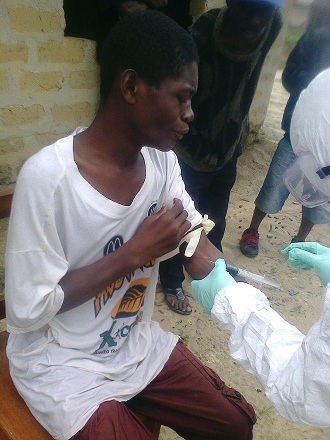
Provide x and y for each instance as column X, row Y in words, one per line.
column 161, row 233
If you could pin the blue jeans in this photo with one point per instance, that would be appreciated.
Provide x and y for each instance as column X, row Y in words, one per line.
column 210, row 192
column 274, row 193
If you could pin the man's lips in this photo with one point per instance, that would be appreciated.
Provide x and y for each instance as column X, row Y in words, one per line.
column 181, row 133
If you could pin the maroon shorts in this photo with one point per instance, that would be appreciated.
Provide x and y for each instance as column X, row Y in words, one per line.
column 187, row 396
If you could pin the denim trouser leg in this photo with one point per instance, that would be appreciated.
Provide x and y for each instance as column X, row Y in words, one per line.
column 273, row 192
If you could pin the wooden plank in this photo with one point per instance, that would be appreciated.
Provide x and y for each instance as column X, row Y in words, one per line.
column 6, row 198
column 2, row 308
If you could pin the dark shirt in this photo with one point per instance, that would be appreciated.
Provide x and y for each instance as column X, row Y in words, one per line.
column 227, row 84
column 94, row 19
column 310, row 56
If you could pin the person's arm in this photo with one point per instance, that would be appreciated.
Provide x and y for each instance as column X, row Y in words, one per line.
column 305, row 61
column 39, row 282
column 158, row 234
column 201, row 263
column 291, row 367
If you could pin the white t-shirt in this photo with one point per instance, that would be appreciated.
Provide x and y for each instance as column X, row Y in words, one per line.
column 108, row 348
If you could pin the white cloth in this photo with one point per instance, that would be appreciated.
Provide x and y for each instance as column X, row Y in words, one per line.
column 310, row 134
column 293, row 369
column 310, row 124
column 108, row 348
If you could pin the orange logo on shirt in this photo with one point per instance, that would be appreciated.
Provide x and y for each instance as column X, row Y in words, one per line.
column 107, row 293
column 132, row 301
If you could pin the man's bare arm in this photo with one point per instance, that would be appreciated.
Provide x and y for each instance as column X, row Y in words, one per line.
column 157, row 235
column 202, row 262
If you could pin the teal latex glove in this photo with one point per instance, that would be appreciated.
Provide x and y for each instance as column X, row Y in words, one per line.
column 204, row 291
column 308, row 255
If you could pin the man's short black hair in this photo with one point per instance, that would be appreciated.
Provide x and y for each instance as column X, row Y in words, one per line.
column 150, row 43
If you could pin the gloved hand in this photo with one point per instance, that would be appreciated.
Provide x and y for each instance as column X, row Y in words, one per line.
column 204, row 291
column 310, row 254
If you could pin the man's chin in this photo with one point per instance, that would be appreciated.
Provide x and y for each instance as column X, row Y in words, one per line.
column 169, row 147
column 162, row 147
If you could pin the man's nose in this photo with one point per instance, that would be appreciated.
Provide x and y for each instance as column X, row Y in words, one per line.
column 187, row 115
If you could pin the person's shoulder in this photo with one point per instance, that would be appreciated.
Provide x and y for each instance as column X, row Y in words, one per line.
column 205, row 20
column 47, row 164
column 202, row 29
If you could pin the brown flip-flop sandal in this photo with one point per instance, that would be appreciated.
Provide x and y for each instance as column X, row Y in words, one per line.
column 179, row 295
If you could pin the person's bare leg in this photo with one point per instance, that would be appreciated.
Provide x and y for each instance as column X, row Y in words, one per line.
column 249, row 242
column 304, row 229
column 171, row 278
column 257, row 218
column 178, row 301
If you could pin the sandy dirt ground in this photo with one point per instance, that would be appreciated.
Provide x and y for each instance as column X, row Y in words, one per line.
column 202, row 335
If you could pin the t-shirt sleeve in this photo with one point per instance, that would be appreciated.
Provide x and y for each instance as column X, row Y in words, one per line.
column 177, row 190
column 34, row 261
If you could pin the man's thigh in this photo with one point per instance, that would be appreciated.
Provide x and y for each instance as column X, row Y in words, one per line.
column 193, row 400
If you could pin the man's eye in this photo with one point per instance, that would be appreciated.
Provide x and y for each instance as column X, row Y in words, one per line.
column 183, row 100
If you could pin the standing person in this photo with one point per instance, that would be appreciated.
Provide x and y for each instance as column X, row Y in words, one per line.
column 91, row 215
column 94, row 19
column 232, row 42
column 310, row 56
column 293, row 368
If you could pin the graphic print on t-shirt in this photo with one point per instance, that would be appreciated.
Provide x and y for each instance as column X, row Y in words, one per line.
column 126, row 312
column 131, row 302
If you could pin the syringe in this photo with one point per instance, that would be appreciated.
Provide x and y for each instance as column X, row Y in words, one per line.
column 234, row 271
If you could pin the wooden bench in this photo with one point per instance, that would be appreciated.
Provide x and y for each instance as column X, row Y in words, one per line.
column 16, row 420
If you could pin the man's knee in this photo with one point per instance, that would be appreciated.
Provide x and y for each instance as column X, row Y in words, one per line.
column 242, row 418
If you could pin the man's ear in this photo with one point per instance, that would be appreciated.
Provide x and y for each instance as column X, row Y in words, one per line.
column 129, row 79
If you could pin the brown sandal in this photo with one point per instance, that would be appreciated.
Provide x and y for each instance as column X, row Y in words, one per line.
column 179, row 295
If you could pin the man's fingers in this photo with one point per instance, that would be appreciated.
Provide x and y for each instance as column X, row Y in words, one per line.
column 174, row 213
column 162, row 211
column 177, row 208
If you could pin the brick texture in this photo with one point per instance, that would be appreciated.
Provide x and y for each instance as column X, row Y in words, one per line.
column 25, row 19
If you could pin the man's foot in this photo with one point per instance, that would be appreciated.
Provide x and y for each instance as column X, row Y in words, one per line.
column 249, row 243
column 177, row 301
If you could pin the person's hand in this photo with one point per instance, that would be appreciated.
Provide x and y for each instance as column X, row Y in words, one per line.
column 161, row 233
column 205, row 290
column 310, row 255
